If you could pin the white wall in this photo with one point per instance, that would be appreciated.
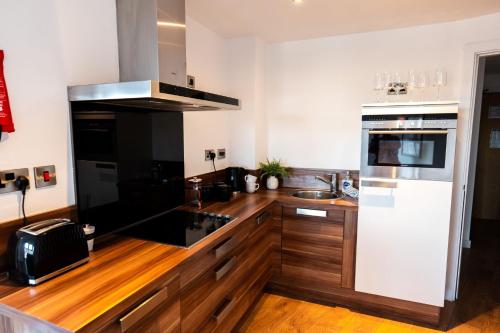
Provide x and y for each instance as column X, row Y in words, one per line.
column 247, row 128
column 207, row 61
column 48, row 45
column 315, row 87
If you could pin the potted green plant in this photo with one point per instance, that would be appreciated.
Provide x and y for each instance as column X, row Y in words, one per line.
column 272, row 170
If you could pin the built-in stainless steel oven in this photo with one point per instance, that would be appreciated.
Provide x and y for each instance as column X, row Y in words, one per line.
column 409, row 146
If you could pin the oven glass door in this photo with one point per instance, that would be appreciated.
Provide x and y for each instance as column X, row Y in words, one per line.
column 407, row 148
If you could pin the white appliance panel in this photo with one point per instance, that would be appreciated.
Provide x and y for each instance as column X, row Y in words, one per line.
column 402, row 243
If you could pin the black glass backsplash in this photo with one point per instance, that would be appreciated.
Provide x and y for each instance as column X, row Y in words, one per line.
column 129, row 165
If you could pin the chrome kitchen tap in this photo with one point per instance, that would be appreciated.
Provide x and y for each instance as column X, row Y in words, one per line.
column 332, row 182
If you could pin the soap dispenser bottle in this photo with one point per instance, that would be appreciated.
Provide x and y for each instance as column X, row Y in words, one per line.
column 346, row 182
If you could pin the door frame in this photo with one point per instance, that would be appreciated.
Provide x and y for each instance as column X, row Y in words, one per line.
column 465, row 155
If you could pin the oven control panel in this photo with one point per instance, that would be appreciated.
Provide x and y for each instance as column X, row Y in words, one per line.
column 409, row 122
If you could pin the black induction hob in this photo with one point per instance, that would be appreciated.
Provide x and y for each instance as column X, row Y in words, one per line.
column 179, row 227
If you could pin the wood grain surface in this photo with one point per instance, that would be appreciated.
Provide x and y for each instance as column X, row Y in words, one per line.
column 123, row 270
column 278, row 314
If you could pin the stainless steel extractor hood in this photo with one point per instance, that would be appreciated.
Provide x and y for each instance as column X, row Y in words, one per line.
column 152, row 56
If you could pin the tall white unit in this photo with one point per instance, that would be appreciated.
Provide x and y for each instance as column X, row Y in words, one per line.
column 405, row 200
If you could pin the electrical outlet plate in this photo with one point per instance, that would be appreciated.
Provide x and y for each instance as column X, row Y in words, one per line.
column 221, row 153
column 207, row 154
column 8, row 177
column 45, row 176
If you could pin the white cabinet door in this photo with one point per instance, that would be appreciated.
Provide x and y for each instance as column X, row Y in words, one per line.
column 402, row 244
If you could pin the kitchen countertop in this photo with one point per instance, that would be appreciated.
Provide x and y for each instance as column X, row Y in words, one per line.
column 123, row 267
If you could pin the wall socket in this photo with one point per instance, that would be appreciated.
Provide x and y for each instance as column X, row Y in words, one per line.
column 221, row 153
column 8, row 177
column 207, row 154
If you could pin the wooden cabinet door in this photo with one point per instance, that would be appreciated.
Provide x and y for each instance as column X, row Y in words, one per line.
column 312, row 248
column 318, row 247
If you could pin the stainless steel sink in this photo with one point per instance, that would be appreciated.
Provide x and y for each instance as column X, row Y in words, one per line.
column 317, row 195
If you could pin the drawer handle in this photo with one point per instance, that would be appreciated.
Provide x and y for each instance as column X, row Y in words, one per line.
column 143, row 309
column 262, row 218
column 311, row 212
column 221, row 272
column 223, row 310
column 378, row 183
column 224, row 247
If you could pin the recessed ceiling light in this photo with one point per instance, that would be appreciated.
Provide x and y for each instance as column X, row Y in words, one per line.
column 297, row 2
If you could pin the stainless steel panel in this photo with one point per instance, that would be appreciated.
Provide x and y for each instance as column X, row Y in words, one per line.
column 377, row 183
column 408, row 132
column 39, row 178
column 7, row 186
column 152, row 40
column 137, row 40
column 142, row 94
column 438, row 174
column 44, row 226
column 311, row 212
column 111, row 91
column 171, row 27
column 410, row 124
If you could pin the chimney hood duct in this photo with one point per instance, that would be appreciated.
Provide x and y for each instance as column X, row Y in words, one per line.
column 152, row 55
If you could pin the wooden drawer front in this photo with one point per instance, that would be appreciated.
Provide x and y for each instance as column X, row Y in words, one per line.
column 260, row 227
column 256, row 261
column 276, row 240
column 315, row 214
column 206, row 293
column 311, row 273
column 202, row 262
column 230, row 312
column 160, row 312
column 317, row 240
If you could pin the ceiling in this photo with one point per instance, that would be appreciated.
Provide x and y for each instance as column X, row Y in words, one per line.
column 282, row 20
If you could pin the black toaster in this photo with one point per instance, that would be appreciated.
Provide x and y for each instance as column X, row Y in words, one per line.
column 46, row 249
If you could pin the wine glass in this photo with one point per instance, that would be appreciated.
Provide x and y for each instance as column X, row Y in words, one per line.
column 422, row 82
column 439, row 80
column 412, row 82
column 379, row 84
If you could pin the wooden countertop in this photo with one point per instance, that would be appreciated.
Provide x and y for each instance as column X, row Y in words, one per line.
column 123, row 267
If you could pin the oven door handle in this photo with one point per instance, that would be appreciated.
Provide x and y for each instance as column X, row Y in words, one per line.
column 408, row 132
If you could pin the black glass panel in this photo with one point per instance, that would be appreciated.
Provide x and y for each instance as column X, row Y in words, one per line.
column 407, row 150
column 178, row 227
column 198, row 94
column 129, row 166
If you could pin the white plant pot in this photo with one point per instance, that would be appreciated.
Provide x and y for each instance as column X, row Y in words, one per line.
column 272, row 182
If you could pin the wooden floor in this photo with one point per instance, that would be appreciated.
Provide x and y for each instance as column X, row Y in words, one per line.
column 476, row 311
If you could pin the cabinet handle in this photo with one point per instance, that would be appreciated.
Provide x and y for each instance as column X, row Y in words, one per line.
column 224, row 247
column 262, row 218
column 221, row 272
column 143, row 309
column 311, row 212
column 377, row 183
column 223, row 310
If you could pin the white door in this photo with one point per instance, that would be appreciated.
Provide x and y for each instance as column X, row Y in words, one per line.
column 402, row 244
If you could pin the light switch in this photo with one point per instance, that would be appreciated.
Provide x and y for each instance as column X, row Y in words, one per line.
column 45, row 176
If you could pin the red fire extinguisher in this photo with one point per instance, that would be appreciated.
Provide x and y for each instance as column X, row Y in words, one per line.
column 6, row 123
